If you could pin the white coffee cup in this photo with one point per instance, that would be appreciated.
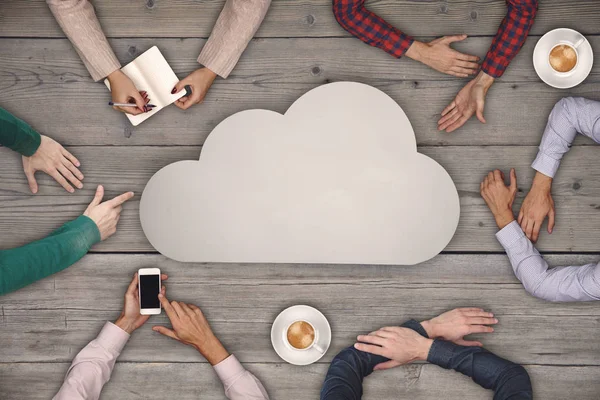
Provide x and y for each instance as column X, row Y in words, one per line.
column 572, row 45
column 311, row 346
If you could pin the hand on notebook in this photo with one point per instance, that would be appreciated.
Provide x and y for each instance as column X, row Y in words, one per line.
column 200, row 80
column 124, row 91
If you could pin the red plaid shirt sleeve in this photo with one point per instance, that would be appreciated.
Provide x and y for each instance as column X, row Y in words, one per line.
column 370, row 28
column 511, row 36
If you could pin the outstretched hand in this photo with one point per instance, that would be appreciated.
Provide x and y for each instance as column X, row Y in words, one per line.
column 536, row 207
column 130, row 318
column 57, row 162
column 454, row 325
column 440, row 56
column 470, row 100
column 400, row 345
column 200, row 81
column 106, row 215
column 499, row 197
column 191, row 327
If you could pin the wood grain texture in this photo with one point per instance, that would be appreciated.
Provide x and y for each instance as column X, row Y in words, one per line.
column 52, row 319
column 193, row 381
column 189, row 18
column 299, row 47
column 283, row 381
column 120, row 169
column 272, row 75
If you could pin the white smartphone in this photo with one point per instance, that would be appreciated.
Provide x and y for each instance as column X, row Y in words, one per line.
column 149, row 288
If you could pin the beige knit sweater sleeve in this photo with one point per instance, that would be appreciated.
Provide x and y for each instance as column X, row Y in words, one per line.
column 79, row 22
column 238, row 22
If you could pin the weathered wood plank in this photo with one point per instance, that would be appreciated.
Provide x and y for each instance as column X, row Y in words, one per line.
column 265, row 61
column 51, row 319
column 187, row 18
column 272, row 75
column 284, row 381
column 577, row 194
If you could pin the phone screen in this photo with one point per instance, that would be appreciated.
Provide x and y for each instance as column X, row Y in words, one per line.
column 149, row 288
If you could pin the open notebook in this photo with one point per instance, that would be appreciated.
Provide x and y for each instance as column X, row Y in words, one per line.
column 151, row 72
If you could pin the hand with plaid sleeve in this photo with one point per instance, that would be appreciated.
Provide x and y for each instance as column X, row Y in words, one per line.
column 509, row 39
column 375, row 31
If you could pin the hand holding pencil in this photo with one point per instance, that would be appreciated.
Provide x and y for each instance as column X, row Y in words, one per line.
column 125, row 96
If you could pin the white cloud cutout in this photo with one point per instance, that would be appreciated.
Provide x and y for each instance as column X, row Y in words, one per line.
column 336, row 180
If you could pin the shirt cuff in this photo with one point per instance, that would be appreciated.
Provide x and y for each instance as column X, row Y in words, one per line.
column 89, row 229
column 510, row 234
column 415, row 326
column 545, row 164
column 112, row 337
column 492, row 66
column 228, row 368
column 441, row 353
column 217, row 60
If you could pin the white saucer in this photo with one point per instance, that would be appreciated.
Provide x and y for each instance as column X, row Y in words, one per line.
column 292, row 314
column 545, row 71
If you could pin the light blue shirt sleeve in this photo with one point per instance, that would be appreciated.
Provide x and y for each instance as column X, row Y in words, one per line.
column 569, row 283
column 569, row 116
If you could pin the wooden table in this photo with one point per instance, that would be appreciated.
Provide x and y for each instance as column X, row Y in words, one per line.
column 299, row 47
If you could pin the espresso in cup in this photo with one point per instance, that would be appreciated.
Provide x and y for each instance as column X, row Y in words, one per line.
column 300, row 335
column 563, row 58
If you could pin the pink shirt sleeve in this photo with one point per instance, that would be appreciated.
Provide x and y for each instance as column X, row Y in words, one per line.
column 239, row 383
column 92, row 367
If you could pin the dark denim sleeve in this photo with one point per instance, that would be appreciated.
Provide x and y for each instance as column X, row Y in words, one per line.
column 507, row 379
column 349, row 368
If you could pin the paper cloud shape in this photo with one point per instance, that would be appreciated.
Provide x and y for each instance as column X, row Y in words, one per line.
column 337, row 179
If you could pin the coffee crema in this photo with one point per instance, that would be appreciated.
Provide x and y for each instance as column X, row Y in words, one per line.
column 300, row 335
column 563, row 58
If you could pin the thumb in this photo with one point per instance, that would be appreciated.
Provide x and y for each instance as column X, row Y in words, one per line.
column 513, row 180
column 32, row 182
column 165, row 331
column 97, row 197
column 386, row 365
column 551, row 216
column 455, row 38
column 468, row 343
column 480, row 113
column 179, row 86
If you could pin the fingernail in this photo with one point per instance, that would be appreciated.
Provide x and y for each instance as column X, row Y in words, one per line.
column 160, row 295
column 173, row 91
column 495, row 320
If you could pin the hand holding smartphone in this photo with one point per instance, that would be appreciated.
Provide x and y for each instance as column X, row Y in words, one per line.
column 149, row 287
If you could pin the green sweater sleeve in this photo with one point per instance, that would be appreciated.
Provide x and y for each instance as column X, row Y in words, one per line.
column 17, row 134
column 24, row 265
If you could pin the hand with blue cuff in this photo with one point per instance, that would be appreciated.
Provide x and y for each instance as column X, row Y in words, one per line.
column 403, row 345
column 391, row 347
